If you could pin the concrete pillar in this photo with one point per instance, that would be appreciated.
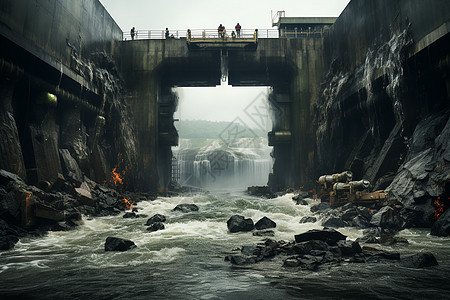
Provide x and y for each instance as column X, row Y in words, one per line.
column 11, row 158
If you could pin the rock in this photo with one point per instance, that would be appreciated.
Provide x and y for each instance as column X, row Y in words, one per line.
column 360, row 222
column 7, row 242
column 265, row 223
column 299, row 199
column 155, row 218
column 264, row 233
column 241, row 260
column 185, row 207
column 238, row 223
column 392, row 240
column 442, row 225
column 291, row 262
column 261, row 191
column 387, row 217
column 327, row 235
column 307, row 219
column 84, row 195
column 118, row 244
column 320, row 207
column 349, row 248
column 380, row 254
column 6, row 177
column 334, row 222
column 420, row 260
column 69, row 164
column 156, row 226
column 129, row 215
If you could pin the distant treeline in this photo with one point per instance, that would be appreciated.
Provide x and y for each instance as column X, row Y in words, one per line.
column 212, row 130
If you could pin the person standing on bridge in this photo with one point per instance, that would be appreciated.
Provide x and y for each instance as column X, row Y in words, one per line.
column 238, row 30
column 221, row 31
column 133, row 33
column 167, row 33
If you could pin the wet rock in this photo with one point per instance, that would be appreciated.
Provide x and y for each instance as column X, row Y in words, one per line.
column 442, row 225
column 307, row 219
column 349, row 248
column 265, row 223
column 8, row 236
column 334, row 222
column 241, row 260
column 156, row 226
column 360, row 222
column 261, row 191
column 185, row 207
column 239, row 223
column 118, row 244
column 377, row 254
column 387, row 217
column 6, row 177
column 327, row 235
column 155, row 218
column 129, row 215
column 70, row 165
column 264, row 233
column 320, row 207
column 291, row 262
column 84, row 195
column 420, row 260
column 392, row 240
column 299, row 198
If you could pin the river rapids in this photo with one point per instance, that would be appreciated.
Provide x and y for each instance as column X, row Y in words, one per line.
column 186, row 259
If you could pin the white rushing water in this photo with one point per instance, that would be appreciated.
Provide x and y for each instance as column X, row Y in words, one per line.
column 246, row 162
column 186, row 259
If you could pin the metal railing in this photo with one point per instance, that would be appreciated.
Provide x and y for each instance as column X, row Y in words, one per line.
column 214, row 33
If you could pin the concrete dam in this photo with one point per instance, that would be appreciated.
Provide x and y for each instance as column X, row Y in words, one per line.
column 88, row 135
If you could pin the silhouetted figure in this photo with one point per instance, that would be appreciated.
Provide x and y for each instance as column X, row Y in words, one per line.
column 167, row 33
column 238, row 30
column 221, row 31
column 133, row 33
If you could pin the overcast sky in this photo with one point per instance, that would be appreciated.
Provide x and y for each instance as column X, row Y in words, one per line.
column 222, row 103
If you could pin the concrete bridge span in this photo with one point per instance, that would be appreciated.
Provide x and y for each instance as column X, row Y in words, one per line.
column 153, row 67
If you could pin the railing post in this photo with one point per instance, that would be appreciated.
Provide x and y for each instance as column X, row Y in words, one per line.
column 295, row 30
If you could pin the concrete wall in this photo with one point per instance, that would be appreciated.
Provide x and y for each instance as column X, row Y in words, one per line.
column 364, row 22
column 54, row 30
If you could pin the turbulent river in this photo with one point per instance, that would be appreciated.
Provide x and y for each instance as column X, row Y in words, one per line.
column 186, row 260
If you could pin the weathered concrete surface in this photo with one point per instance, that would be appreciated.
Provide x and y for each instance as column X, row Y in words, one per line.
column 55, row 31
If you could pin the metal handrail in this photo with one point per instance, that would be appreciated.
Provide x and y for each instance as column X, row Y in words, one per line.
column 213, row 33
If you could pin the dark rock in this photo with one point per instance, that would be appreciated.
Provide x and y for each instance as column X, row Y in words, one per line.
column 299, row 198
column 334, row 222
column 420, row 260
column 307, row 219
column 349, row 248
column 155, row 218
column 185, row 207
column 238, row 223
column 118, row 244
column 129, row 215
column 261, row 191
column 291, row 262
column 387, row 217
column 392, row 240
column 312, row 245
column 265, row 223
column 360, row 222
column 327, row 235
column 156, row 226
column 380, row 254
column 84, row 195
column 320, row 207
column 264, row 233
column 249, row 250
column 241, row 260
column 7, row 242
column 349, row 214
column 69, row 164
column 6, row 177
column 442, row 225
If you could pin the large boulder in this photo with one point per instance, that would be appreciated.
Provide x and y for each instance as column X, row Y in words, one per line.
column 156, row 226
column 334, row 222
column 185, row 207
column 387, row 217
column 260, row 191
column 307, row 219
column 327, row 235
column 265, row 223
column 118, row 244
column 155, row 218
column 442, row 225
column 239, row 223
column 419, row 260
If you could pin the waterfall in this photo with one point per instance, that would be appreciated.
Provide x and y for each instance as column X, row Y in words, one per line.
column 247, row 162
